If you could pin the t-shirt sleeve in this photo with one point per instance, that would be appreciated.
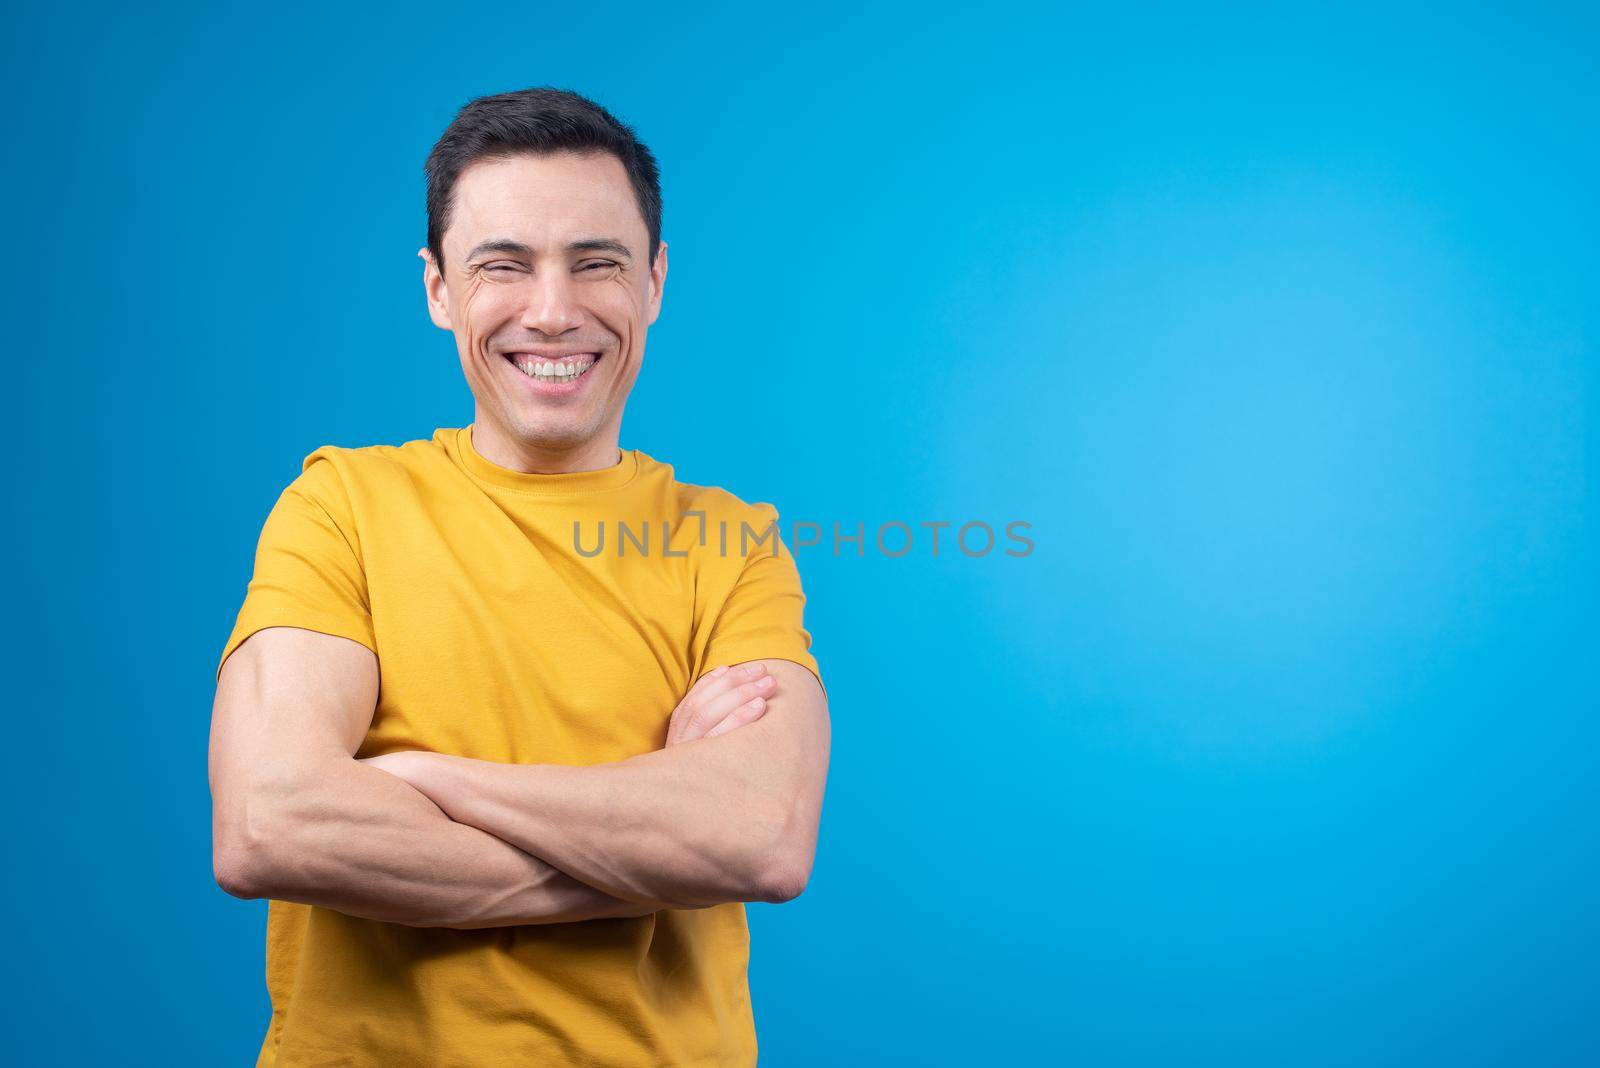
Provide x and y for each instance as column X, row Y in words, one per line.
column 308, row 569
column 763, row 616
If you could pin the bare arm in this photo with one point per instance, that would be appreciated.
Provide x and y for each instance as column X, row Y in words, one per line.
column 728, row 816
column 296, row 817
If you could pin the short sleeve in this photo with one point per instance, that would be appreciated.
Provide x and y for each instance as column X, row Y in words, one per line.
column 763, row 615
column 308, row 569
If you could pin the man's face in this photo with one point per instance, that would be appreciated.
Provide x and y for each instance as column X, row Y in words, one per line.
column 548, row 289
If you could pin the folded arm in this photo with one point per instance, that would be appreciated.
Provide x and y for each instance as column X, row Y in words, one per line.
column 296, row 817
column 730, row 816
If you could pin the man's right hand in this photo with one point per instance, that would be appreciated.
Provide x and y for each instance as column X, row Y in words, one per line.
column 724, row 699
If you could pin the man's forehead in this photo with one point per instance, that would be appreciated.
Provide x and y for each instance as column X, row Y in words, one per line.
column 543, row 201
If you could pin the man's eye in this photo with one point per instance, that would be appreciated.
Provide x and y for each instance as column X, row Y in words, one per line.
column 502, row 267
column 599, row 263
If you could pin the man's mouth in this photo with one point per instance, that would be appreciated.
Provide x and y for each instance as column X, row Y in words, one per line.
column 553, row 371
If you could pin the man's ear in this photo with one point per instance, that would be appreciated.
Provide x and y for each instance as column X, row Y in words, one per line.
column 658, row 282
column 433, row 288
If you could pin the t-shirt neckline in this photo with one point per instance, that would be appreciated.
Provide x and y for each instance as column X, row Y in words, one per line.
column 559, row 484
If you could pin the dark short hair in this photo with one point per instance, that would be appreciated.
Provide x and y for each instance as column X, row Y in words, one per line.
column 535, row 122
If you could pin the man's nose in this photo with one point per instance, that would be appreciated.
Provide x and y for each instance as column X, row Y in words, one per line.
column 552, row 306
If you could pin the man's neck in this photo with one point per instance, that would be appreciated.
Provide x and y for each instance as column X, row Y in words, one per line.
column 505, row 451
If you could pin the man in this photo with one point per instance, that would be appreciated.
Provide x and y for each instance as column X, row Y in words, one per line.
column 507, row 793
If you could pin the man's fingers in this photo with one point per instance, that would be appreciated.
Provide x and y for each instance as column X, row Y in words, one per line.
column 716, row 706
column 705, row 681
column 715, row 696
column 701, row 686
column 746, row 713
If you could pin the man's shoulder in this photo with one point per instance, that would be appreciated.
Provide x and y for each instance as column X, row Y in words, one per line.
column 715, row 502
column 345, row 467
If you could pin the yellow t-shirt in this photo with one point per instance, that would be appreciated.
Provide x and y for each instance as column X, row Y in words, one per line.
column 502, row 634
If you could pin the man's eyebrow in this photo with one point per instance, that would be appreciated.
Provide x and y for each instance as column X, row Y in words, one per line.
column 601, row 244
column 499, row 244
column 517, row 248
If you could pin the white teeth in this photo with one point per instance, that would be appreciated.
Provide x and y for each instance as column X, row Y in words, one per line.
column 553, row 370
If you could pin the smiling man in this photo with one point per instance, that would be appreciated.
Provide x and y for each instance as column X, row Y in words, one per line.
column 507, row 797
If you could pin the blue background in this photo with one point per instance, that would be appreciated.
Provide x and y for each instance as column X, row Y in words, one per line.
column 1280, row 327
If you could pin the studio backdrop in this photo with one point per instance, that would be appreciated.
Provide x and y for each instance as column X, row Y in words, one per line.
column 1245, row 364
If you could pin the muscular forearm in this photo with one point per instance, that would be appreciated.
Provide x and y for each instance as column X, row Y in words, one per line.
column 353, row 838
column 690, row 825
